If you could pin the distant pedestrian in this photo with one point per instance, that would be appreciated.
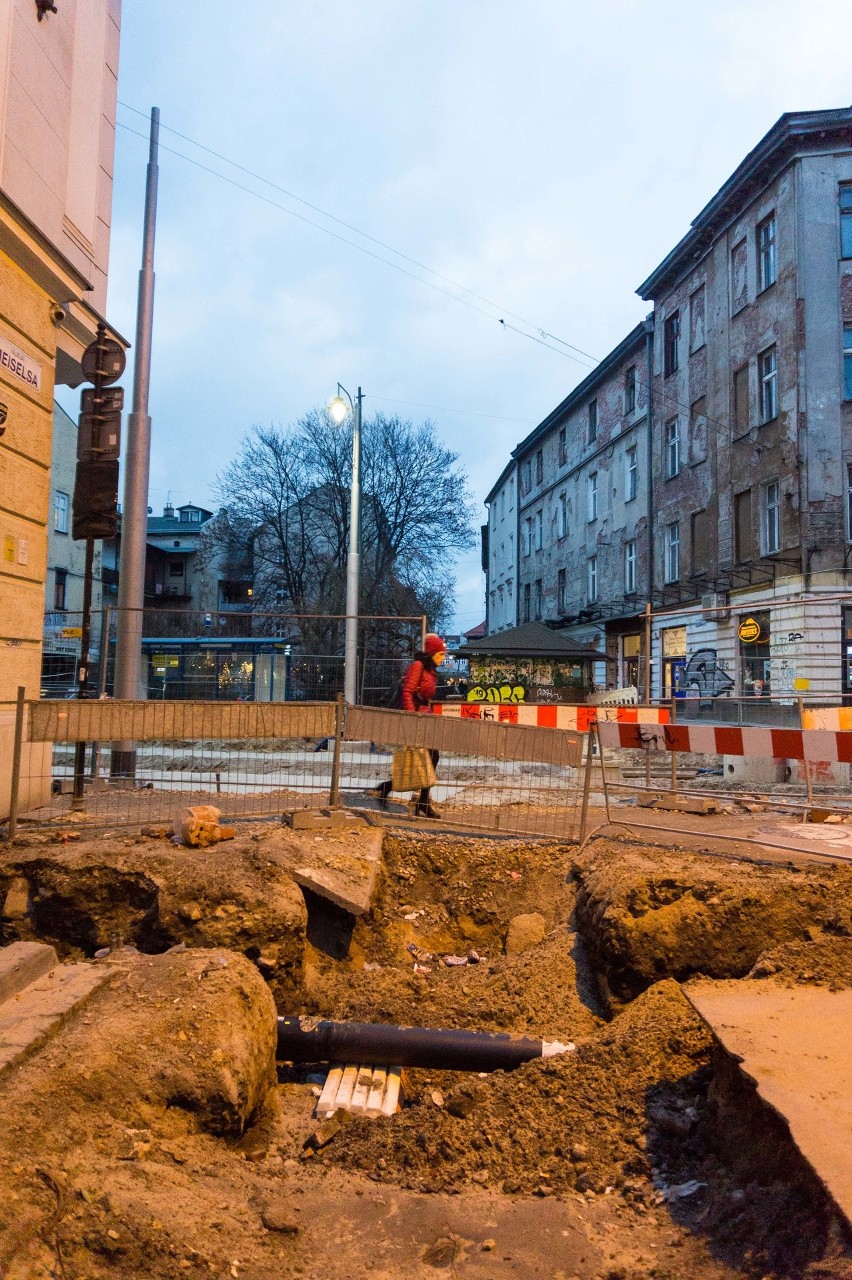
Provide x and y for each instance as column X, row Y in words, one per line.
column 418, row 689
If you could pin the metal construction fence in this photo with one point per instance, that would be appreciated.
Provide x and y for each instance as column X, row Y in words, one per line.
column 234, row 654
column 261, row 759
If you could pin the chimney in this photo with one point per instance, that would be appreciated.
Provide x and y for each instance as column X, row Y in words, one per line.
column 168, row 512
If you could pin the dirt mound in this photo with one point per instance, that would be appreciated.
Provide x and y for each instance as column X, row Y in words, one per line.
column 823, row 962
column 575, row 1122
column 154, row 894
column 531, row 994
column 647, row 913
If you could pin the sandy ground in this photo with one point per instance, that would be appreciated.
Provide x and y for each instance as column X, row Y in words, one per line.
column 153, row 1137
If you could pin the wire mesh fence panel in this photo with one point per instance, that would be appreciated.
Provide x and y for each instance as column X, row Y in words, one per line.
column 145, row 762
column 489, row 776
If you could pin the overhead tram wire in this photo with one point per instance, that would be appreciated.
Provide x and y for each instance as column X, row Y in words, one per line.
column 365, row 235
column 722, row 429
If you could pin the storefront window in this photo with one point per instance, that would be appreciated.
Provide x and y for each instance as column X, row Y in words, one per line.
column 674, row 660
column 754, row 641
column 631, row 652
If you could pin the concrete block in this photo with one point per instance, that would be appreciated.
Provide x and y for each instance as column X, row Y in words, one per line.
column 39, row 1011
column 17, row 903
column 23, row 963
column 307, row 820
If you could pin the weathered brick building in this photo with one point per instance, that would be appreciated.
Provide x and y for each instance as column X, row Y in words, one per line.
column 731, row 484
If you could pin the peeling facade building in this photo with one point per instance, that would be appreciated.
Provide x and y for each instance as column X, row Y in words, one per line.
column 729, row 486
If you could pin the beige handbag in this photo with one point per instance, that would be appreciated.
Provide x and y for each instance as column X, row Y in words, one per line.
column 412, row 769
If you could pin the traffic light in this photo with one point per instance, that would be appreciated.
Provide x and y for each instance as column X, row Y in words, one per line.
column 95, row 510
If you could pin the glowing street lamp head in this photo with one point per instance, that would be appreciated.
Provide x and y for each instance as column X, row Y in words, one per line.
column 338, row 408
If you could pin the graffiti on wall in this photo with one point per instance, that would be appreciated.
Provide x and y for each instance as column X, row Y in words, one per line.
column 502, row 693
column 705, row 672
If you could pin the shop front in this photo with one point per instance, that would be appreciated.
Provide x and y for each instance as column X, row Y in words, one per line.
column 754, row 638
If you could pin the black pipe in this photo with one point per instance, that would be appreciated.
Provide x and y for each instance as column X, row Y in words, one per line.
column 382, row 1044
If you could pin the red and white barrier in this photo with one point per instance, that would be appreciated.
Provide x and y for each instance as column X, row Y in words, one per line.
column 817, row 745
column 559, row 715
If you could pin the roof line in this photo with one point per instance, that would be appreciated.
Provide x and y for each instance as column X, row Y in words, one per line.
column 633, row 339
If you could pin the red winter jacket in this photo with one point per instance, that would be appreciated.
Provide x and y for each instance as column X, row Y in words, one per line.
column 418, row 687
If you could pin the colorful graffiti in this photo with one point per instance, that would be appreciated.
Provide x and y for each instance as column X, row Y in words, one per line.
column 502, row 693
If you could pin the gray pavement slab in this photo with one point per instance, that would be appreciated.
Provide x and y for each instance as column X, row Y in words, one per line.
column 34, row 1014
column 22, row 963
column 796, row 1045
column 341, row 864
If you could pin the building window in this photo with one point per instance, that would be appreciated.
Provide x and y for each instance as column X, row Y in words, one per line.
column 743, row 542
column 739, row 276
column 846, row 220
column 502, row 503
column 630, row 567
column 849, row 505
column 741, row 408
column 528, row 536
column 630, row 389
column 563, row 446
column 631, row 474
column 60, row 578
column 563, row 515
column 176, row 569
column 671, row 342
column 592, row 433
column 698, row 430
column 592, row 496
column 672, row 448
column 767, row 363
column 538, row 600
column 539, row 466
column 767, row 268
column 672, row 550
column 539, row 524
column 771, row 517
column 526, row 476
column 561, row 592
column 592, row 579
column 697, row 320
column 61, row 507
column 526, row 602
column 700, row 542
column 847, row 362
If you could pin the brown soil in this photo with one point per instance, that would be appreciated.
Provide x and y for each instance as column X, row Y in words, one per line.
column 823, row 962
column 650, row 912
column 146, row 1141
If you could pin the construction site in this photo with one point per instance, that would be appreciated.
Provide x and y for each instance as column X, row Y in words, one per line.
column 591, row 1023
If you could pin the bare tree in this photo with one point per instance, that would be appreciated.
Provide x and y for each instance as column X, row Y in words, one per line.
column 287, row 492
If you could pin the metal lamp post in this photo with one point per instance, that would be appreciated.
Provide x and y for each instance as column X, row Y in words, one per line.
column 339, row 408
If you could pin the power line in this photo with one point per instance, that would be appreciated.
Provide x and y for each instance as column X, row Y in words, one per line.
column 723, row 429
column 365, row 234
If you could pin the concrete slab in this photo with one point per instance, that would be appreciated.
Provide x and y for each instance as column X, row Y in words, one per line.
column 22, row 963
column 796, row 1045
column 341, row 865
column 36, row 1013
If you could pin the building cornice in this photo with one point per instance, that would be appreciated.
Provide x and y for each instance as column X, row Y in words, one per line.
column 792, row 133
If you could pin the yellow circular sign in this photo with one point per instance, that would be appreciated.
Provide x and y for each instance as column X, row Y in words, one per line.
column 749, row 631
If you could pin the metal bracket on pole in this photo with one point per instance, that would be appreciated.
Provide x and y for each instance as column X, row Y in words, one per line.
column 16, row 764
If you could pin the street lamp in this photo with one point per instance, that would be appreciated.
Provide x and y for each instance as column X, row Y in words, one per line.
column 340, row 408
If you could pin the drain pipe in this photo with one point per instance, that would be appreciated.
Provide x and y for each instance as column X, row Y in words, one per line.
column 382, row 1044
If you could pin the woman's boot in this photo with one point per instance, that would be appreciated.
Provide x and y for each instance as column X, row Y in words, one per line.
column 424, row 808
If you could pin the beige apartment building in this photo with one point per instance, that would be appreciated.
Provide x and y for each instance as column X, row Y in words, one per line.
column 58, row 84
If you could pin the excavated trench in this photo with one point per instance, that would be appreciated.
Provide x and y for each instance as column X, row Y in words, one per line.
column 540, row 942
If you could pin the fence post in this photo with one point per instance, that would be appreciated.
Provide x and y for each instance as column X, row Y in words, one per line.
column 587, row 784
column 673, row 715
column 603, row 770
column 809, row 784
column 339, row 720
column 16, row 764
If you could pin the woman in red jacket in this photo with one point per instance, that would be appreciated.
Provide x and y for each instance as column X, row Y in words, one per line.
column 418, row 689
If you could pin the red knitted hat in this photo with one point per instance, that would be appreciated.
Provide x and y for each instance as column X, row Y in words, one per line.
column 434, row 644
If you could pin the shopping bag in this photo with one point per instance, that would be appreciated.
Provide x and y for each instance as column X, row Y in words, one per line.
column 412, row 769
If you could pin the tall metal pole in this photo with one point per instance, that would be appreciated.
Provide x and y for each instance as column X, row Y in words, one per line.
column 353, row 563
column 137, row 464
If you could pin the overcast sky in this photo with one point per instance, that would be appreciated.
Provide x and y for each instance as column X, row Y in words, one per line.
column 545, row 156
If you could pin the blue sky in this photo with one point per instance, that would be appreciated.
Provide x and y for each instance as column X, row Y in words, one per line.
column 544, row 156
